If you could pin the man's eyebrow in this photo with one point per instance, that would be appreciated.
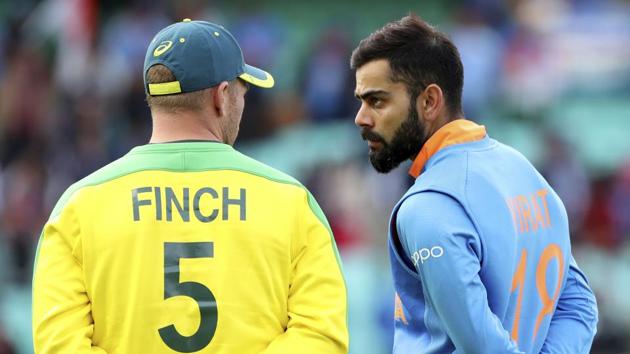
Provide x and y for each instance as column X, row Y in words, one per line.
column 369, row 93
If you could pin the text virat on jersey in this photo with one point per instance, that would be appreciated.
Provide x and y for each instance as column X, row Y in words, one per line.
column 163, row 200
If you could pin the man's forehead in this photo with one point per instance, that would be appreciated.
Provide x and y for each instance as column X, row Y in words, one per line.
column 374, row 72
column 374, row 76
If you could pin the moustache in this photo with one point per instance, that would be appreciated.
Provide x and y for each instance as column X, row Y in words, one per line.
column 372, row 136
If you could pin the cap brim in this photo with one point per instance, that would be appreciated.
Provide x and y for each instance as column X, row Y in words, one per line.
column 257, row 77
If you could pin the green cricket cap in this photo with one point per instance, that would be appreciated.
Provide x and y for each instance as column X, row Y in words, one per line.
column 201, row 55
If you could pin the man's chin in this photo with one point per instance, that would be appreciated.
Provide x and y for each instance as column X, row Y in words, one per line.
column 382, row 164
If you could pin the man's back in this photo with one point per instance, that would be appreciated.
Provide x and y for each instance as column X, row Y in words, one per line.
column 185, row 247
column 525, row 241
column 501, row 233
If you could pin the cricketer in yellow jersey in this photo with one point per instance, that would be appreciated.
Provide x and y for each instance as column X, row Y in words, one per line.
column 184, row 245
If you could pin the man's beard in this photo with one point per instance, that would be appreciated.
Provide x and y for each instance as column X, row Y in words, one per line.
column 407, row 142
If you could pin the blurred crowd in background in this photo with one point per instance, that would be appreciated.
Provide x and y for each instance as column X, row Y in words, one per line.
column 549, row 77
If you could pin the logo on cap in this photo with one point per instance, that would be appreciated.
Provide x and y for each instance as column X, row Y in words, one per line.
column 162, row 48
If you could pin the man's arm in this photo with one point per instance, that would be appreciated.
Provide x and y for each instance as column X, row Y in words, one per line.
column 442, row 242
column 62, row 320
column 574, row 322
column 317, row 303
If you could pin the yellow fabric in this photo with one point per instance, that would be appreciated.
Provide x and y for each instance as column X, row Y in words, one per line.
column 98, row 285
column 165, row 88
column 268, row 82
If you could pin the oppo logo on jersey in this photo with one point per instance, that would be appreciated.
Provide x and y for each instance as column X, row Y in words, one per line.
column 165, row 200
column 424, row 254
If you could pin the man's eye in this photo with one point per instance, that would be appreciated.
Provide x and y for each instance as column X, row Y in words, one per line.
column 375, row 102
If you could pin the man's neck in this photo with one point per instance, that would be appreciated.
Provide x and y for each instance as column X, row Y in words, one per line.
column 433, row 128
column 169, row 126
column 440, row 122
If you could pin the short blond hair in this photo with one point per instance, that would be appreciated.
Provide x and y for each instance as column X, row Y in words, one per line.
column 188, row 101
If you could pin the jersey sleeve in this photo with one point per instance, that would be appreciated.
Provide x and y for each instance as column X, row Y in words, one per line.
column 317, row 303
column 442, row 242
column 574, row 322
column 62, row 321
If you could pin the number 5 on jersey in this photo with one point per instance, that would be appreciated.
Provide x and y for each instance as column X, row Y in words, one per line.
column 173, row 252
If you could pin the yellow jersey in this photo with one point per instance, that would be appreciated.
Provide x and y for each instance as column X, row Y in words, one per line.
column 188, row 247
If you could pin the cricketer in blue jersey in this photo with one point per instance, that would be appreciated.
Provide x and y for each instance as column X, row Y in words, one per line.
column 479, row 245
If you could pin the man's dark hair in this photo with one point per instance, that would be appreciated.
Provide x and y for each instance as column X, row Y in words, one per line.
column 418, row 55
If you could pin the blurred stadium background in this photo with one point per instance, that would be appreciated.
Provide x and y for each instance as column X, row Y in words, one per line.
column 549, row 77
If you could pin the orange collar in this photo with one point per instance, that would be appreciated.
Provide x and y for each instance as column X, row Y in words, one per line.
column 456, row 132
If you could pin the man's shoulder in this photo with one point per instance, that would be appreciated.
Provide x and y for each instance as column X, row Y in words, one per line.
column 445, row 174
column 112, row 170
column 452, row 169
column 431, row 204
column 430, row 216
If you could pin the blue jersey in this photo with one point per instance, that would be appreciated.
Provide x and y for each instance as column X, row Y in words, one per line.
column 481, row 256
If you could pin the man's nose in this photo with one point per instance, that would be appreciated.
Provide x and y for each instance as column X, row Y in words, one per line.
column 362, row 119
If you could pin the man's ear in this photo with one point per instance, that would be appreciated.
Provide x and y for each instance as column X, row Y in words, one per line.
column 220, row 98
column 430, row 102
